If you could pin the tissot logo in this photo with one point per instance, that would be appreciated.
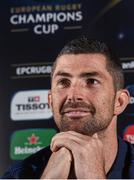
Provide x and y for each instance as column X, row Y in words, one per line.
column 129, row 134
column 29, row 141
column 30, row 105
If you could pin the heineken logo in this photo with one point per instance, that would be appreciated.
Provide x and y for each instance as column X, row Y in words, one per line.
column 26, row 150
column 29, row 141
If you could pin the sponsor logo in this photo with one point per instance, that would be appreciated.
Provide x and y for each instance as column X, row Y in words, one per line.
column 130, row 108
column 131, row 91
column 46, row 18
column 128, row 64
column 31, row 70
column 129, row 134
column 26, row 142
column 30, row 105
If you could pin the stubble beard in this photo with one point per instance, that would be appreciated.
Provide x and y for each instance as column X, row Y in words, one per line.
column 95, row 122
column 87, row 125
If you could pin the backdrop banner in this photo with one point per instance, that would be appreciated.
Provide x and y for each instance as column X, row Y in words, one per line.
column 32, row 33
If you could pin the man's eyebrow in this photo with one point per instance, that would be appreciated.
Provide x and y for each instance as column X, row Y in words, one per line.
column 82, row 75
column 90, row 74
column 62, row 73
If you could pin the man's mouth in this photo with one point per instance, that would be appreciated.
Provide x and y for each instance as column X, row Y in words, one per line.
column 76, row 112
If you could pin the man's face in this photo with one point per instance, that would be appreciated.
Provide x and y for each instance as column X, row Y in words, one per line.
column 82, row 96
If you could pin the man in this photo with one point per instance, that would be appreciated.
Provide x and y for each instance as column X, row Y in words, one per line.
column 86, row 96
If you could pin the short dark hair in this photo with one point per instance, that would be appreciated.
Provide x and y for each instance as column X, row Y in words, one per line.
column 83, row 45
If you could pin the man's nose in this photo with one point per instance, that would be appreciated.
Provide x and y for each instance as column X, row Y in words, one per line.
column 75, row 94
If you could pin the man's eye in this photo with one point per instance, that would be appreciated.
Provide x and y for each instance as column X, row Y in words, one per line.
column 64, row 82
column 92, row 81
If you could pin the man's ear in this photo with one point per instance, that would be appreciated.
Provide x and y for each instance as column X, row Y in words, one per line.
column 50, row 99
column 121, row 101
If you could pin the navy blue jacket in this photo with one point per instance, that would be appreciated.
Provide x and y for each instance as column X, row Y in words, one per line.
column 33, row 166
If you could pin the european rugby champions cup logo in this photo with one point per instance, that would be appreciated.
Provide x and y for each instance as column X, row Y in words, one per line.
column 47, row 17
column 29, row 141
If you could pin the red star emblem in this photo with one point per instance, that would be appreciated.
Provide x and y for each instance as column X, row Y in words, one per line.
column 33, row 139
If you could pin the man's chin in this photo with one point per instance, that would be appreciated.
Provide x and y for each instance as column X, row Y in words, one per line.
column 77, row 129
